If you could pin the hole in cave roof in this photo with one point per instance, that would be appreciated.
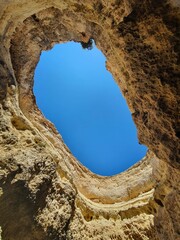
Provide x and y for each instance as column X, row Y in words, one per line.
column 74, row 90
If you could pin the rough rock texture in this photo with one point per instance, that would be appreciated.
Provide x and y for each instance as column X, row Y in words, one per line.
column 45, row 193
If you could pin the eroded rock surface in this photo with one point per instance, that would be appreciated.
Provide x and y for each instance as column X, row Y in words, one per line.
column 45, row 193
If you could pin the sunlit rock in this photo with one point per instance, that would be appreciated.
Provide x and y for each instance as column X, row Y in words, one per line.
column 44, row 192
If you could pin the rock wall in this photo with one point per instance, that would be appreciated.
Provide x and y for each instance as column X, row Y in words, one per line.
column 45, row 193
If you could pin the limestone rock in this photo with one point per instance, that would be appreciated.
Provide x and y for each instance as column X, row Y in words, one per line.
column 45, row 193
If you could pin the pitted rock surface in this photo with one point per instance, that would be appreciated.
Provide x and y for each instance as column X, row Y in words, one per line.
column 45, row 193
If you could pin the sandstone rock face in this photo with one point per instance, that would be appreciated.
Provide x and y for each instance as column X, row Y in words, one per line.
column 45, row 193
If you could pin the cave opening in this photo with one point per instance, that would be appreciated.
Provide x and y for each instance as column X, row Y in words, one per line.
column 74, row 91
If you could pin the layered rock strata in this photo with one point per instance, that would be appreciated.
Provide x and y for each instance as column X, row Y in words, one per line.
column 45, row 193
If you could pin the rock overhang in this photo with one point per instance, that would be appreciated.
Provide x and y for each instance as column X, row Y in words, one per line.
column 139, row 41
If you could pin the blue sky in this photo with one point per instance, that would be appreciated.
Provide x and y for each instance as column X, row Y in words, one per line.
column 74, row 90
